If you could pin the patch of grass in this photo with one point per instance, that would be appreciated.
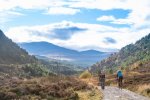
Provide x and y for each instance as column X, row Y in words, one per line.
column 86, row 74
column 95, row 94
column 144, row 89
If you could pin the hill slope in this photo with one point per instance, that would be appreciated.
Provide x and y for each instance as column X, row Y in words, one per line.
column 11, row 53
column 128, row 55
column 134, row 59
column 15, row 61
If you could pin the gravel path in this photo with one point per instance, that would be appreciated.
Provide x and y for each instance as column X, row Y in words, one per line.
column 114, row 93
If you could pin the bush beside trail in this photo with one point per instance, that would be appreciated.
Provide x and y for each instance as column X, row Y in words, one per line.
column 86, row 74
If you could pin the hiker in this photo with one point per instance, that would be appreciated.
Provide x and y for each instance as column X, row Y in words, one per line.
column 102, row 79
column 119, row 78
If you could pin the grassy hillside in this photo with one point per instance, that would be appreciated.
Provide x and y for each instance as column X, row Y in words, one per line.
column 61, row 67
column 15, row 61
column 134, row 61
column 128, row 55
column 136, row 78
column 11, row 53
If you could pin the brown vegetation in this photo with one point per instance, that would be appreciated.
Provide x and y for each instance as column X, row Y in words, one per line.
column 94, row 94
column 136, row 78
column 50, row 88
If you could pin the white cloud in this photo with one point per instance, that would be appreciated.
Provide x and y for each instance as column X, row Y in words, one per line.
column 62, row 10
column 113, row 20
column 106, row 18
column 6, row 16
column 89, row 39
column 93, row 37
column 26, row 4
column 140, row 9
column 48, row 6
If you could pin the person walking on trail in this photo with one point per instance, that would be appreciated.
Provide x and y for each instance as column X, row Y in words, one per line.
column 102, row 79
column 120, row 78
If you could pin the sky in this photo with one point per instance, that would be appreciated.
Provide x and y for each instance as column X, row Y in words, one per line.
column 104, row 25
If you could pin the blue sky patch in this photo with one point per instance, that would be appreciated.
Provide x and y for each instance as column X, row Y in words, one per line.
column 39, row 17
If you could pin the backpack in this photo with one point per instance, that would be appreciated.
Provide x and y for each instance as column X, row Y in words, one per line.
column 119, row 74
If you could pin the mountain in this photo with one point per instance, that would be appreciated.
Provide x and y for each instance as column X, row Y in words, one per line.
column 51, row 51
column 11, row 53
column 44, row 48
column 128, row 55
column 91, row 52
column 15, row 61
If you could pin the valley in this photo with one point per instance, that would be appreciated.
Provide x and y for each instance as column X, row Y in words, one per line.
column 49, row 51
column 44, row 74
column 26, row 77
column 74, row 49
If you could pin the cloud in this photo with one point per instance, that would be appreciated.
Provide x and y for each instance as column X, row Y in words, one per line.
column 114, row 20
column 66, row 33
column 6, row 16
column 110, row 40
column 74, row 36
column 9, row 8
column 48, row 6
column 62, row 31
column 137, row 17
column 85, row 36
column 27, row 4
column 62, row 11
column 106, row 18
column 139, row 10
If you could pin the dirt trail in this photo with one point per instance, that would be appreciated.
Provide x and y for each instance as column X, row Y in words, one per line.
column 114, row 93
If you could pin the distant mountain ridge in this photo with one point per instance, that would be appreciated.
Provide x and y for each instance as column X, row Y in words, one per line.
column 85, row 58
column 128, row 55
column 11, row 53
column 44, row 48
column 91, row 52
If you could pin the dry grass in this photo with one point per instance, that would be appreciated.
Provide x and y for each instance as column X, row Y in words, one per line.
column 136, row 79
column 49, row 88
column 95, row 94
column 85, row 75
column 144, row 89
